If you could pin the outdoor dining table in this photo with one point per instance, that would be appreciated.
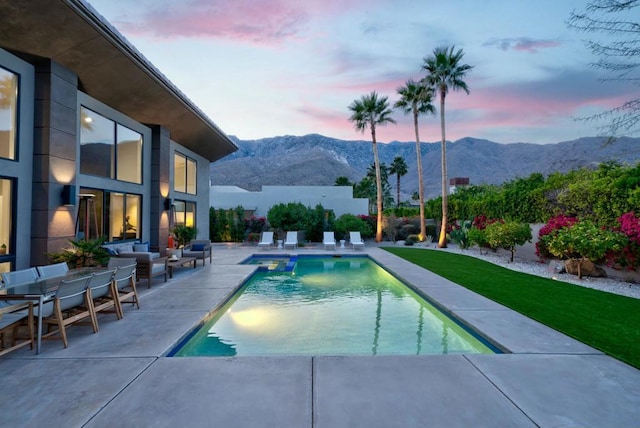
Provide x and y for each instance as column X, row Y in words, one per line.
column 43, row 290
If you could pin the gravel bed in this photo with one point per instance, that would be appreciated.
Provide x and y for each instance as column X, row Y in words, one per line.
column 609, row 285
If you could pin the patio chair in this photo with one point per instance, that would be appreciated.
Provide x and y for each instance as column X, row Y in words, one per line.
column 329, row 240
column 13, row 316
column 292, row 240
column 266, row 240
column 198, row 248
column 115, row 262
column 125, row 287
column 356, row 240
column 102, row 294
column 17, row 277
column 71, row 304
column 50, row 271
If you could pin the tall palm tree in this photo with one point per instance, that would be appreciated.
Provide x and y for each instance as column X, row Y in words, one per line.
column 445, row 71
column 399, row 168
column 417, row 99
column 387, row 199
column 368, row 112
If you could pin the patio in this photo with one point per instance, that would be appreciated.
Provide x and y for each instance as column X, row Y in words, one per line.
column 119, row 375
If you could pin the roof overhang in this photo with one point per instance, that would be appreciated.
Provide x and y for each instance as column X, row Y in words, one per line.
column 109, row 68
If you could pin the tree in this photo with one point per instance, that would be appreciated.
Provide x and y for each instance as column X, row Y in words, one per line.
column 343, row 181
column 618, row 55
column 445, row 71
column 417, row 99
column 399, row 168
column 368, row 112
column 387, row 199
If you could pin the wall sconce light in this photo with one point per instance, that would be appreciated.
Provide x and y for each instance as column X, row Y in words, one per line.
column 68, row 195
column 167, row 204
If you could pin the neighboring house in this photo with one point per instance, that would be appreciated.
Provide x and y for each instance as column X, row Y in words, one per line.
column 457, row 182
column 94, row 140
column 337, row 198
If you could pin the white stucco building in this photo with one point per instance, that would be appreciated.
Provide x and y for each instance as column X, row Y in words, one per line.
column 337, row 198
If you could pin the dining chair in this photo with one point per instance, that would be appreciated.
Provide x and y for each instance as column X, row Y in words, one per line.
column 12, row 317
column 50, row 271
column 124, row 281
column 102, row 294
column 71, row 304
column 18, row 277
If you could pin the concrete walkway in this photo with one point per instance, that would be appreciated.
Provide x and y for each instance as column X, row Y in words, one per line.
column 120, row 376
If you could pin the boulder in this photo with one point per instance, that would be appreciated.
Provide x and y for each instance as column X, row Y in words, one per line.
column 587, row 267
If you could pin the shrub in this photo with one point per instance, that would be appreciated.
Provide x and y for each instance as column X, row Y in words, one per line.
column 553, row 225
column 507, row 235
column 82, row 253
column 478, row 237
column 584, row 240
column 629, row 256
column 349, row 222
column 291, row 216
column 411, row 239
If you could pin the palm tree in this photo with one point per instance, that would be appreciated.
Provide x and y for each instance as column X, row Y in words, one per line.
column 387, row 199
column 417, row 99
column 367, row 112
column 342, row 181
column 445, row 71
column 399, row 168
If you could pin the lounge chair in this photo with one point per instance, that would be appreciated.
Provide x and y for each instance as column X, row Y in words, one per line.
column 329, row 240
column 266, row 241
column 356, row 240
column 198, row 248
column 292, row 240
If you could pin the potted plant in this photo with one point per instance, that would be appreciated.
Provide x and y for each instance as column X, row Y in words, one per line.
column 3, row 249
column 82, row 253
column 184, row 234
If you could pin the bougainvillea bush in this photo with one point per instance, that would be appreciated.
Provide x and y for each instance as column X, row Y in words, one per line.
column 629, row 256
column 552, row 227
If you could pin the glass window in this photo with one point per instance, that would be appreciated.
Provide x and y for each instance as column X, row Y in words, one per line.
column 117, row 214
column 8, row 113
column 184, row 174
column 185, row 213
column 129, row 152
column 97, row 148
column 6, row 221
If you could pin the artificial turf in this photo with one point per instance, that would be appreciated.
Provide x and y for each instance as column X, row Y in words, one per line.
column 605, row 321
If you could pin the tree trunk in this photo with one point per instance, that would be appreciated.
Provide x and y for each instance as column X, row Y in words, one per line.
column 442, row 241
column 423, row 228
column 398, row 190
column 378, row 184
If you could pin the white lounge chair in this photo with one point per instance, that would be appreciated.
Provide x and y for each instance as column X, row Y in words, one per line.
column 292, row 240
column 329, row 240
column 356, row 240
column 266, row 240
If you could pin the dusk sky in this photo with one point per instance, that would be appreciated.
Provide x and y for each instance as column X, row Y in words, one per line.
column 265, row 68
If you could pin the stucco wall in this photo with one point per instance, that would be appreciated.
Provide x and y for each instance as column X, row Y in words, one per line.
column 337, row 198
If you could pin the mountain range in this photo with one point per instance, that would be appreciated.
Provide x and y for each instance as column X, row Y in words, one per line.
column 318, row 160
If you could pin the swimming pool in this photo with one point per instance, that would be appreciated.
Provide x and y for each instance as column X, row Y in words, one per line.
column 329, row 306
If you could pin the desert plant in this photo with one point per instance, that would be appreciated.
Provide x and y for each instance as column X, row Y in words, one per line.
column 460, row 234
column 411, row 239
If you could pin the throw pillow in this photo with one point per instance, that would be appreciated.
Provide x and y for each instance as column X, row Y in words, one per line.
column 112, row 251
column 140, row 248
column 197, row 247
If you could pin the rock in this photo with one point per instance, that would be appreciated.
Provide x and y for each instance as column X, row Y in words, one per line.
column 588, row 268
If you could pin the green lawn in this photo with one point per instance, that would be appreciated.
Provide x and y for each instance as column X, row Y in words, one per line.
column 608, row 322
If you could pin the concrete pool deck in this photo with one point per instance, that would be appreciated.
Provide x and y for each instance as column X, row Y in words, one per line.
column 120, row 376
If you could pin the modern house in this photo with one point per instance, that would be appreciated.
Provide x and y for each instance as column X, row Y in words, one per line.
column 337, row 198
column 94, row 140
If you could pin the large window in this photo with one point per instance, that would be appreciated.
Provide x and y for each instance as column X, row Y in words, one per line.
column 185, row 213
column 109, row 149
column 8, row 115
column 6, row 223
column 116, row 216
column 184, row 174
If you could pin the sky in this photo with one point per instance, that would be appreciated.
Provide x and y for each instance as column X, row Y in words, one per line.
column 266, row 68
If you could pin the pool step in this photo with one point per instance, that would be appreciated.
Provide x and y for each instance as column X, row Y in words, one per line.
column 291, row 264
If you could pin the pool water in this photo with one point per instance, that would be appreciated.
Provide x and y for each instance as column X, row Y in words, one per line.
column 329, row 306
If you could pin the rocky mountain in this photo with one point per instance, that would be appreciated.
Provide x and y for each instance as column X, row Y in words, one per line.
column 318, row 160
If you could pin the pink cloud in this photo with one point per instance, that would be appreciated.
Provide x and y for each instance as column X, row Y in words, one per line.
column 254, row 21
